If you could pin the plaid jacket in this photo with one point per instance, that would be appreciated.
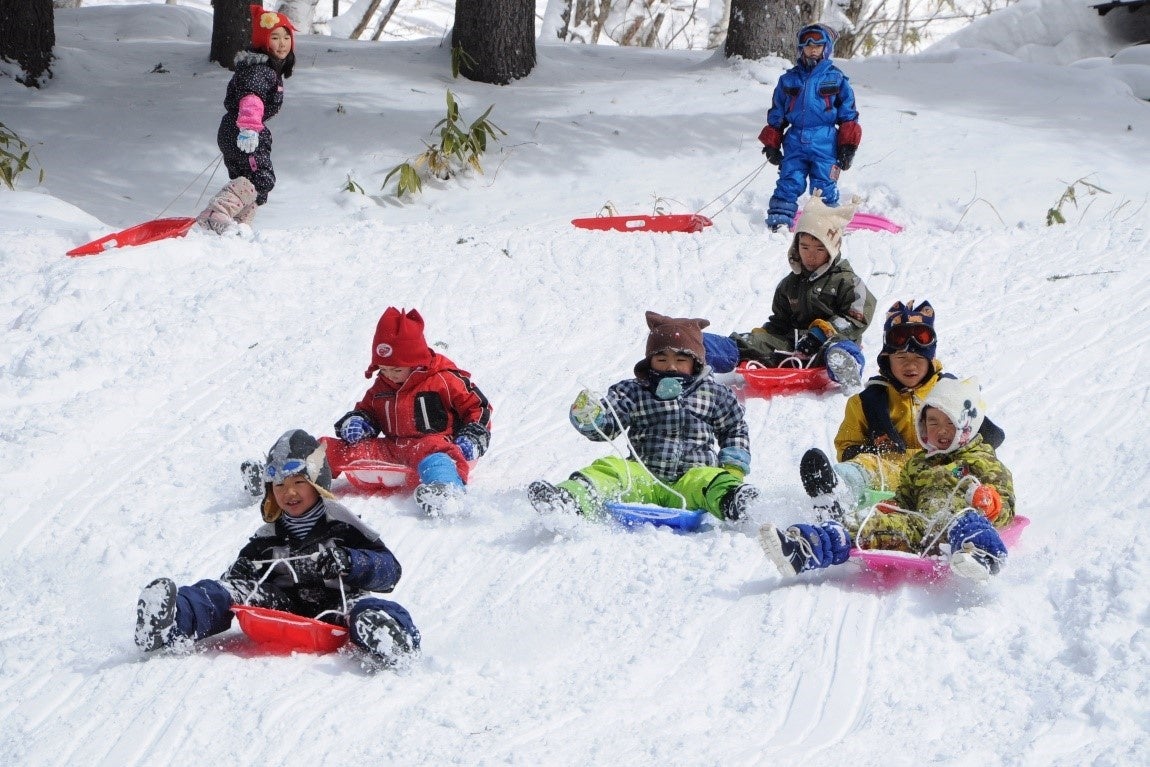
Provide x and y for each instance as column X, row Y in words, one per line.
column 672, row 436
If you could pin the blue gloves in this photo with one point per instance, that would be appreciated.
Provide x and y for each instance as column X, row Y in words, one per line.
column 466, row 446
column 735, row 458
column 356, row 428
column 248, row 141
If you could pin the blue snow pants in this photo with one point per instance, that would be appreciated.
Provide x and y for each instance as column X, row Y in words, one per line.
column 203, row 609
column 808, row 153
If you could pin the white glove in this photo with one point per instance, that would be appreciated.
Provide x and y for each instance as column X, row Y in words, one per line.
column 248, row 141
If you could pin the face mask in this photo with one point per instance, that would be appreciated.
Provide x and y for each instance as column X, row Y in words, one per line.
column 668, row 386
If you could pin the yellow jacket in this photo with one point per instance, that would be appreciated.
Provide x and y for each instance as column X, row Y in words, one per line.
column 903, row 406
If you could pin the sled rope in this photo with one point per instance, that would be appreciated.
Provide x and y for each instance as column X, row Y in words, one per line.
column 634, row 453
column 295, row 577
column 214, row 165
column 747, row 179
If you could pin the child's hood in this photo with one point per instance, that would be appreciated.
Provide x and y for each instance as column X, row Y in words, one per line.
column 826, row 224
column 826, row 36
column 961, row 402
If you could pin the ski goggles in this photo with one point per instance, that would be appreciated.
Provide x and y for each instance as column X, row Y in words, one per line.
column 278, row 471
column 903, row 335
column 813, row 37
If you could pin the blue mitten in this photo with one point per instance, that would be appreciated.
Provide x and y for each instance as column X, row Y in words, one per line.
column 467, row 447
column 356, row 428
column 248, row 141
column 736, row 458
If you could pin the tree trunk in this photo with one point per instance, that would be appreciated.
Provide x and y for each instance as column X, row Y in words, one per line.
column 27, row 34
column 231, row 30
column 760, row 28
column 301, row 13
column 498, row 35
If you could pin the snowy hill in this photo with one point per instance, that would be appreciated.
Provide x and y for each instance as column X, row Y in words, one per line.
column 134, row 382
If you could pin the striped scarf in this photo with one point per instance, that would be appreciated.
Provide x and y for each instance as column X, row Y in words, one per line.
column 299, row 527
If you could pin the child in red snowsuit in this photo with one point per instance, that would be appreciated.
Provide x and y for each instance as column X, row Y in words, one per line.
column 422, row 411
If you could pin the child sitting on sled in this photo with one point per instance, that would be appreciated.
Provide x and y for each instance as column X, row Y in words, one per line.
column 690, row 446
column 312, row 556
column 877, row 434
column 422, row 411
column 812, row 129
column 955, row 492
column 255, row 95
column 819, row 312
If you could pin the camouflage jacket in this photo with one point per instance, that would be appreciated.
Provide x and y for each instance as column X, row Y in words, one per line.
column 928, row 481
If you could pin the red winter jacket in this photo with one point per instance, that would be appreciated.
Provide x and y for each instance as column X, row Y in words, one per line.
column 438, row 399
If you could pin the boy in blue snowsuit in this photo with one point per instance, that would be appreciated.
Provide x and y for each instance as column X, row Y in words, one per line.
column 313, row 557
column 812, row 127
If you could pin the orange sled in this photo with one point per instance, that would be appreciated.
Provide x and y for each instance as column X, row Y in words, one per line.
column 288, row 630
column 149, row 231
column 679, row 222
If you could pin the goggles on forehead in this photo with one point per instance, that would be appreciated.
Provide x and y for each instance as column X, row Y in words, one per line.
column 919, row 335
column 278, row 471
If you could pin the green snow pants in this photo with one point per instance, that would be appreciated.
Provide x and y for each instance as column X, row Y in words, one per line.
column 616, row 479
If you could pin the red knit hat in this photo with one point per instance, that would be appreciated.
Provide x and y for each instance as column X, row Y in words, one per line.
column 399, row 341
column 264, row 22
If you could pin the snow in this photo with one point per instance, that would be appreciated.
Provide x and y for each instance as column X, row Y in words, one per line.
column 134, row 383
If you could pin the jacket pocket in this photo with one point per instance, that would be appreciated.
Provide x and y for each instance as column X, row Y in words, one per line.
column 431, row 417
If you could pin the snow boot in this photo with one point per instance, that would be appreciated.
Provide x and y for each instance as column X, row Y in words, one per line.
column 844, row 368
column 547, row 498
column 805, row 547
column 156, row 616
column 820, row 480
column 382, row 637
column 433, row 498
column 735, row 503
column 247, row 213
column 977, row 550
column 777, row 221
column 252, row 470
column 220, row 215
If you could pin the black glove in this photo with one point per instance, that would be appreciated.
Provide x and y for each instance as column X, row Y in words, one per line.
column 846, row 156
column 810, row 344
column 333, row 562
column 243, row 569
column 774, row 154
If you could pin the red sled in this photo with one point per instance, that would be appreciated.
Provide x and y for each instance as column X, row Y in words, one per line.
column 869, row 221
column 894, row 567
column 149, row 231
column 381, row 477
column 679, row 222
column 288, row 631
column 770, row 382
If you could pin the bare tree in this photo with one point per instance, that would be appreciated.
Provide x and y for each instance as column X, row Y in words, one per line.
column 231, row 30
column 27, row 34
column 759, row 28
column 301, row 13
column 497, row 38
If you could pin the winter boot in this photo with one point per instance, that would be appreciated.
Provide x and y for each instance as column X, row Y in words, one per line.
column 843, row 368
column 546, row 498
column 252, row 470
column 247, row 213
column 735, row 503
column 820, row 480
column 382, row 637
column 977, row 550
column 777, row 221
column 156, row 616
column 220, row 215
column 433, row 498
column 805, row 547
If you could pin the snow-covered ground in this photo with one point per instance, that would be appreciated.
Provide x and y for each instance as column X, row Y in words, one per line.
column 134, row 382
